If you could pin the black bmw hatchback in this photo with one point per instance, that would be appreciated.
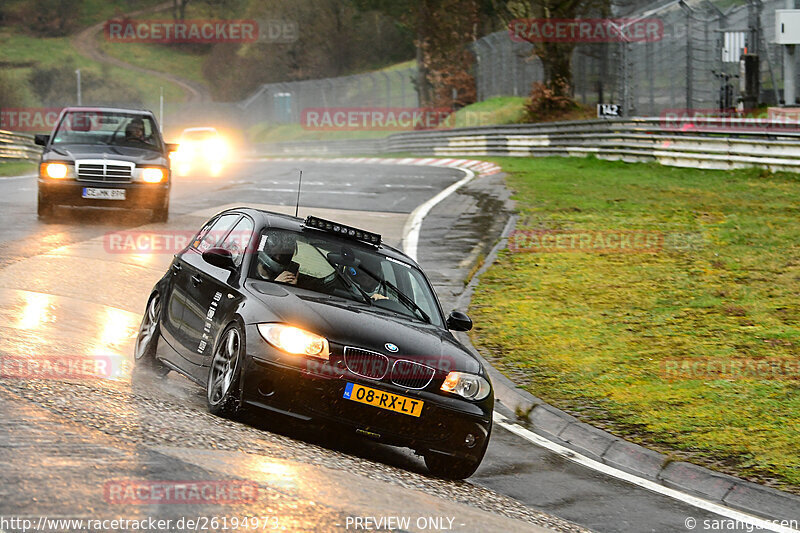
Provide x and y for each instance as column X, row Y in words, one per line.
column 313, row 319
column 105, row 157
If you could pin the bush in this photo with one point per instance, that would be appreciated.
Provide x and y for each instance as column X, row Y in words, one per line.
column 12, row 91
column 549, row 101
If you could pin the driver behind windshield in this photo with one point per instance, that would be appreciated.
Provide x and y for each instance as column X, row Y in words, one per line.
column 134, row 131
column 367, row 275
column 275, row 261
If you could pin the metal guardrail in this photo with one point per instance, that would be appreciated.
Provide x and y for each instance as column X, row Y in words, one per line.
column 18, row 146
column 717, row 143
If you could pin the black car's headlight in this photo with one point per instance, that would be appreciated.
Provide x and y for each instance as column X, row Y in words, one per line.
column 153, row 174
column 469, row 386
column 150, row 174
column 56, row 170
column 295, row 340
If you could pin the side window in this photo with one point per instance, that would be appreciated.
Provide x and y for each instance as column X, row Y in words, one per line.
column 237, row 240
column 420, row 296
column 214, row 235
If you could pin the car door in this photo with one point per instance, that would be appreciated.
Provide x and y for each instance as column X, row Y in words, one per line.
column 223, row 288
column 175, row 303
column 193, row 294
column 177, row 294
column 212, row 295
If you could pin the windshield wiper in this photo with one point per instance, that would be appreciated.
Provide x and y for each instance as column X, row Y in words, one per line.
column 367, row 298
column 410, row 304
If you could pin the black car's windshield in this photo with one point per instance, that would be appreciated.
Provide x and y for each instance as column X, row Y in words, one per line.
column 100, row 127
column 315, row 262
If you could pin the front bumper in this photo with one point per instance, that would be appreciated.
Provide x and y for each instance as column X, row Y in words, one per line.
column 310, row 389
column 137, row 195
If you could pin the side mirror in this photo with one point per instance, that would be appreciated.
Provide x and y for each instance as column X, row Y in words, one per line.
column 172, row 147
column 219, row 257
column 458, row 321
column 41, row 139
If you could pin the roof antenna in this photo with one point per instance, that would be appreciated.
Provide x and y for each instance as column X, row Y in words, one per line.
column 300, row 182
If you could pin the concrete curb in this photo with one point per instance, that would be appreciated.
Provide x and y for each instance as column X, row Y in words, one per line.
column 562, row 428
column 480, row 168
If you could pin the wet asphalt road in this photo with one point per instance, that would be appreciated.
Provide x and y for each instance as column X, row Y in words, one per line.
column 66, row 445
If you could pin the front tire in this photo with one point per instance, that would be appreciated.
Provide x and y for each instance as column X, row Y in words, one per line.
column 161, row 214
column 222, row 388
column 147, row 340
column 44, row 208
column 455, row 468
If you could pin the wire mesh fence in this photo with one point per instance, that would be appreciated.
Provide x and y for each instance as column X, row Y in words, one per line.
column 694, row 65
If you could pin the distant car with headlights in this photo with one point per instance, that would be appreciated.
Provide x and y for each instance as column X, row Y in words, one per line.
column 316, row 320
column 201, row 150
column 104, row 157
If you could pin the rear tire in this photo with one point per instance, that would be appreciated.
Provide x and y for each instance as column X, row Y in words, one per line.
column 222, row 388
column 147, row 340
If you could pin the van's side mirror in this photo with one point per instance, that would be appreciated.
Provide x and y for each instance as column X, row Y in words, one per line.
column 172, row 147
column 41, row 139
column 458, row 321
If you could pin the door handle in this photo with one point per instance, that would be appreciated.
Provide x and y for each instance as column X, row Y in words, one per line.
column 177, row 268
column 196, row 280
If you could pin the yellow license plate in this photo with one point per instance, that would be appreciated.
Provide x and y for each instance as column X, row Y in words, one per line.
column 384, row 400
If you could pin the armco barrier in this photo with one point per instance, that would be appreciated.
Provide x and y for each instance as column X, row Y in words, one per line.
column 702, row 143
column 18, row 146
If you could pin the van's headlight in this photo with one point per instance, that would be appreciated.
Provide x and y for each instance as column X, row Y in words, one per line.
column 55, row 171
column 469, row 386
column 295, row 340
column 153, row 175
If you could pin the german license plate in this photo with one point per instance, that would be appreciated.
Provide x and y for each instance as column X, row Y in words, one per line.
column 384, row 400
column 103, row 194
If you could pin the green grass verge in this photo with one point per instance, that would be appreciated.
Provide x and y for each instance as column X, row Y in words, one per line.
column 176, row 60
column 494, row 111
column 596, row 333
column 49, row 52
column 16, row 168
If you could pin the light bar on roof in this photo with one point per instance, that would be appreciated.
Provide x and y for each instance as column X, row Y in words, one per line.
column 343, row 230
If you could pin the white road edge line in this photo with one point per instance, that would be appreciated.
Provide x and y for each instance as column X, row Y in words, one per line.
column 414, row 222
column 694, row 501
column 411, row 232
column 24, row 176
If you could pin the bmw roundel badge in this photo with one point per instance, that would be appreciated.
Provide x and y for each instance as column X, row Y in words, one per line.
column 391, row 347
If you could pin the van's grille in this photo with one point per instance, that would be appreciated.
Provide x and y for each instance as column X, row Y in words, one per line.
column 366, row 364
column 101, row 170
